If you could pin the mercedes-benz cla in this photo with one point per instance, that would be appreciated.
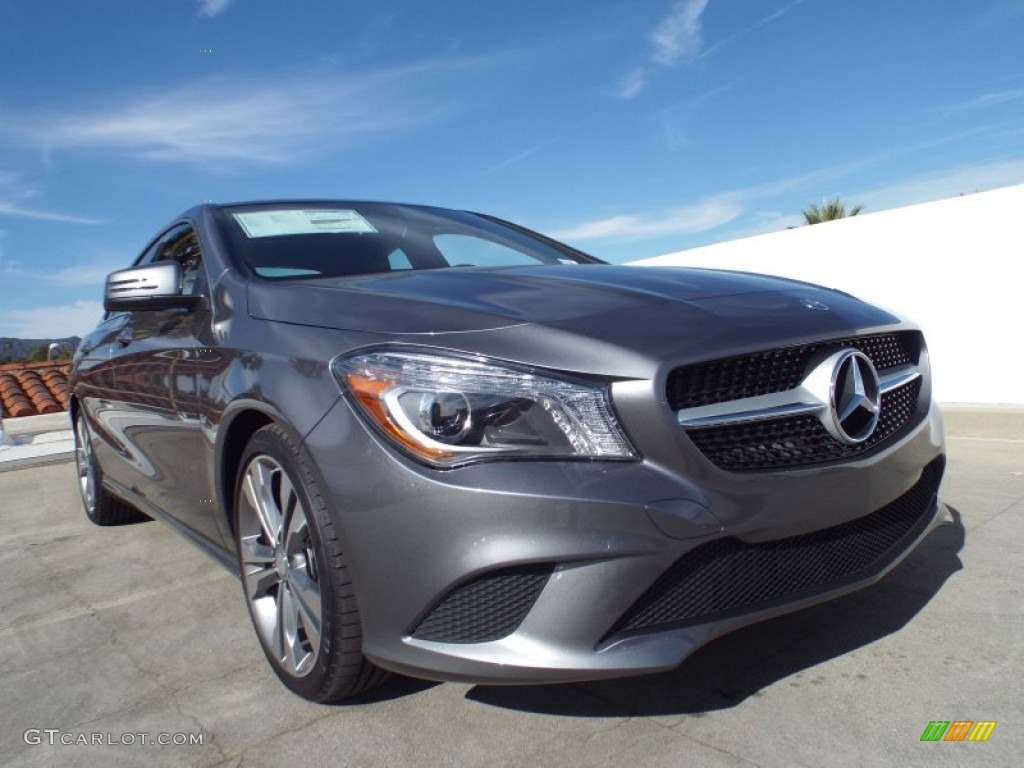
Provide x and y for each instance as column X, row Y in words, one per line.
column 436, row 443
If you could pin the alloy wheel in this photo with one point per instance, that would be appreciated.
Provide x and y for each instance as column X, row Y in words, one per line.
column 279, row 566
column 85, row 464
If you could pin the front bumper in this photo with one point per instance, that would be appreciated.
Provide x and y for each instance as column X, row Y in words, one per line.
column 537, row 566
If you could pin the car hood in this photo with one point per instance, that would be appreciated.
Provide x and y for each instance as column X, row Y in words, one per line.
column 566, row 296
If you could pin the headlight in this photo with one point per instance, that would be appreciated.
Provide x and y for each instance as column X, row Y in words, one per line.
column 449, row 411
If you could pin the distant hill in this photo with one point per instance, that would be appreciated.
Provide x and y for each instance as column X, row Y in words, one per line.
column 20, row 350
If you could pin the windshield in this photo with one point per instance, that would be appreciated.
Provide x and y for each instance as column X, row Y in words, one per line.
column 295, row 241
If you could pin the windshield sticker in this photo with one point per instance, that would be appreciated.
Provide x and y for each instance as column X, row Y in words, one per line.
column 292, row 222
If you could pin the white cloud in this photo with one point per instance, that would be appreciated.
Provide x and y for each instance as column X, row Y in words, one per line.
column 675, row 120
column 225, row 121
column 212, row 7
column 984, row 101
column 89, row 269
column 51, row 322
column 514, row 159
column 760, row 222
column 632, row 84
column 13, row 209
column 706, row 214
column 700, row 217
column 754, row 208
column 679, row 39
column 14, row 189
column 747, row 30
column 82, row 274
column 950, row 182
column 79, row 275
column 678, row 36
column 810, row 180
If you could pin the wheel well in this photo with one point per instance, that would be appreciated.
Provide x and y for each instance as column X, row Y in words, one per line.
column 242, row 428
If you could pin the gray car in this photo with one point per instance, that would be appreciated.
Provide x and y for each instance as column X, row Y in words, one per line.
column 433, row 442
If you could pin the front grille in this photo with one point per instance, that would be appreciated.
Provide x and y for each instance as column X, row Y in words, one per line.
column 488, row 607
column 800, row 440
column 776, row 370
column 727, row 576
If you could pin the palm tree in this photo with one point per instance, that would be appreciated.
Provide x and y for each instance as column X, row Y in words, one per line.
column 829, row 211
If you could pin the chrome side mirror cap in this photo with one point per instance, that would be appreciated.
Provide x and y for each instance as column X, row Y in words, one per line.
column 151, row 286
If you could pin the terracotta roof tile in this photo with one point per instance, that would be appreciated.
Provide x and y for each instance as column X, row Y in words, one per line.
column 30, row 389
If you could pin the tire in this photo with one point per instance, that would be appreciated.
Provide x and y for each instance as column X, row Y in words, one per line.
column 100, row 506
column 294, row 574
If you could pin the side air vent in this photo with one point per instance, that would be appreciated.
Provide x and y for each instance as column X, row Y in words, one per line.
column 488, row 607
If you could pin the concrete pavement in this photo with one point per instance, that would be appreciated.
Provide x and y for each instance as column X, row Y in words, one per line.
column 122, row 631
column 32, row 441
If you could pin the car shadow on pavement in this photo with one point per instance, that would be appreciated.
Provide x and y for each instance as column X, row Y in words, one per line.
column 741, row 664
column 396, row 687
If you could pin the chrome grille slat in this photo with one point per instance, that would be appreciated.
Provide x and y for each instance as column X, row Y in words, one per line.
column 799, row 441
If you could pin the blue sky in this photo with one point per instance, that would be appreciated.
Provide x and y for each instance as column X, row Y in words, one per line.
column 627, row 129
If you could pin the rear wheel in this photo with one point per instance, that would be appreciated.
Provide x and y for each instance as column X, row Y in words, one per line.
column 294, row 574
column 100, row 507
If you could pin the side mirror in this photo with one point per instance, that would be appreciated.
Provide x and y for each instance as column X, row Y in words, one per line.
column 152, row 286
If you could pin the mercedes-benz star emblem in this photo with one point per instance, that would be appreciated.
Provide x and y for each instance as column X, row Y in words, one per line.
column 854, row 399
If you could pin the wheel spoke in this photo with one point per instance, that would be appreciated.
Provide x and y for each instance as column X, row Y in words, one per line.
column 288, row 501
column 259, row 492
column 259, row 580
column 277, row 638
column 293, row 651
column 253, row 552
column 257, row 566
column 307, row 596
column 296, row 537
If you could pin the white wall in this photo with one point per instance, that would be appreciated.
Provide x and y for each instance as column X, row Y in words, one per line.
column 954, row 267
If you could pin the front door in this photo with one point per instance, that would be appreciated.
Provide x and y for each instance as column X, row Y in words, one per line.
column 160, row 412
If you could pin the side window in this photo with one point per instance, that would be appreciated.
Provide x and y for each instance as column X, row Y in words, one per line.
column 181, row 244
column 149, row 256
column 468, row 251
column 397, row 259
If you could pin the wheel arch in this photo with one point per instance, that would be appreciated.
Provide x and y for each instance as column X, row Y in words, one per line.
column 73, row 408
column 238, row 423
column 240, row 428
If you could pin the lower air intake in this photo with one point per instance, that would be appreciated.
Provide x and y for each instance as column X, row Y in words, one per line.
column 488, row 607
column 728, row 576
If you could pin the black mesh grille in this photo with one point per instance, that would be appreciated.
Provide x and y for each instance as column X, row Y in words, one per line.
column 777, row 370
column 727, row 576
column 800, row 440
column 488, row 607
